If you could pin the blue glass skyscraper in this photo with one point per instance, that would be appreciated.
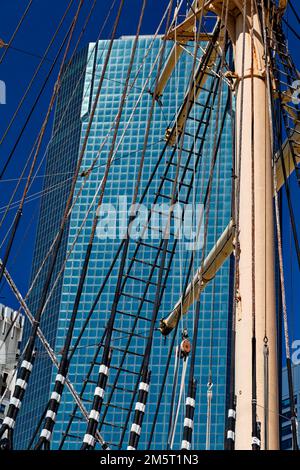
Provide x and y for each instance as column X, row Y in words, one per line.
column 71, row 120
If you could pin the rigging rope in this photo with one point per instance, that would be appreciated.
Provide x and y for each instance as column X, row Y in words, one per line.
column 55, row 245
column 39, row 143
column 291, row 28
column 285, row 319
column 74, row 348
column 103, row 285
column 59, row 125
column 47, row 347
column 207, row 120
column 230, row 438
column 27, row 364
column 65, row 110
column 175, row 382
column 209, row 392
column 266, row 346
column 157, row 300
column 278, row 134
column 212, row 91
column 16, row 143
column 7, row 46
column 231, row 413
column 88, row 441
column 181, row 391
column 109, row 399
column 186, row 443
column 122, row 101
column 294, row 10
column 10, row 202
column 190, row 401
column 53, row 405
column 212, row 319
column 87, row 173
column 25, row 94
column 30, row 157
column 155, row 262
column 256, row 443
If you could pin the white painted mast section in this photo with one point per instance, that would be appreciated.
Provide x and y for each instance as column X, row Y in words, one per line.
column 264, row 246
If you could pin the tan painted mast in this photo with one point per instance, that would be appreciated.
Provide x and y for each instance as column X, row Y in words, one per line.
column 265, row 310
column 263, row 226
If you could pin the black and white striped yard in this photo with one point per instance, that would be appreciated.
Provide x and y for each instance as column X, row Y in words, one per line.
column 15, row 404
column 186, row 443
column 139, row 413
column 89, row 440
column 50, row 418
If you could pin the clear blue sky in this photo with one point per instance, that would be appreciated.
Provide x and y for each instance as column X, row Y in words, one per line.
column 17, row 70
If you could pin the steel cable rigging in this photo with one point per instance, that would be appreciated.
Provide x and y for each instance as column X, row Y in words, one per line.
column 138, row 418
column 95, row 303
column 59, row 237
column 137, row 383
column 35, row 103
column 79, row 192
column 87, row 173
column 114, row 260
column 204, row 120
column 285, row 324
column 26, row 367
column 103, row 286
column 190, row 401
column 23, row 17
column 178, row 352
column 294, row 10
column 38, row 145
column 65, row 360
column 192, row 384
column 25, row 94
column 37, row 99
column 142, row 384
column 89, row 440
column 56, row 240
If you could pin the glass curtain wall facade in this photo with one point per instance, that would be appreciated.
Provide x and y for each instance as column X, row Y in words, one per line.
column 212, row 349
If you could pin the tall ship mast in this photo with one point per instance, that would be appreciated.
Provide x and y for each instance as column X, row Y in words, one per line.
column 157, row 314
